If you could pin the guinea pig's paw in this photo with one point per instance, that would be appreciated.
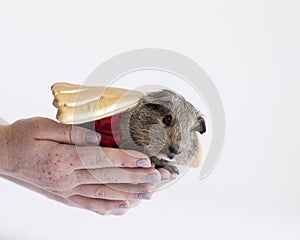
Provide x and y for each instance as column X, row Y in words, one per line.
column 172, row 169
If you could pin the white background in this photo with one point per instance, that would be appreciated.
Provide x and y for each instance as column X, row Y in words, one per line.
column 251, row 51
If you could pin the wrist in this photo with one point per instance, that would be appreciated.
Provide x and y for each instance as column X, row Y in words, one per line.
column 3, row 147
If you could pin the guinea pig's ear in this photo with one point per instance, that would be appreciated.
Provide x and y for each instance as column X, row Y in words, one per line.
column 163, row 98
column 200, row 126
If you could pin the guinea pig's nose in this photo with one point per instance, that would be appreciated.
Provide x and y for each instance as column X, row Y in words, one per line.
column 173, row 149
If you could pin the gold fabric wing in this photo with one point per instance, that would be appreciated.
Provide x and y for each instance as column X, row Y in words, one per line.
column 80, row 104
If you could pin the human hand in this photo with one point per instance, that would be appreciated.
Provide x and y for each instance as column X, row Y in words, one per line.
column 65, row 163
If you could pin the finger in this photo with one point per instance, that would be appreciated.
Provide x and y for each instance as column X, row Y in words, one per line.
column 101, row 157
column 105, row 192
column 99, row 205
column 165, row 174
column 132, row 188
column 76, row 158
column 69, row 134
column 117, row 175
column 79, row 135
column 119, row 212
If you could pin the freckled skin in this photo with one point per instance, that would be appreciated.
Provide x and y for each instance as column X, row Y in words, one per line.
column 30, row 166
column 143, row 129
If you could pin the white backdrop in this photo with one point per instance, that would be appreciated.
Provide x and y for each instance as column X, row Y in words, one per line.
column 251, row 51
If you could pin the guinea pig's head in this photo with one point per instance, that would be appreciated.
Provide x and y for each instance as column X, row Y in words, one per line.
column 164, row 126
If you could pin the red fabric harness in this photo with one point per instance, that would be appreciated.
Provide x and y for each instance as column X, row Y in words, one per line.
column 109, row 128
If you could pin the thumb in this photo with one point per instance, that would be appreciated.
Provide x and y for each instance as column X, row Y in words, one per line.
column 69, row 134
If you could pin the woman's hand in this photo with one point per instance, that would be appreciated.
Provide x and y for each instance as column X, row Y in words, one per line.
column 65, row 163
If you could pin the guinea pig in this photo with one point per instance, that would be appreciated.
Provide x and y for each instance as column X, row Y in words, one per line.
column 163, row 126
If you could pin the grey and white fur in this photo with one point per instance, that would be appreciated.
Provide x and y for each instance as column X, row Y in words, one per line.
column 163, row 126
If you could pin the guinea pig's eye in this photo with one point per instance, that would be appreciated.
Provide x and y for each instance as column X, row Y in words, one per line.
column 167, row 120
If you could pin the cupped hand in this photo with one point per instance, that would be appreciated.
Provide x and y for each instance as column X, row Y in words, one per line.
column 65, row 163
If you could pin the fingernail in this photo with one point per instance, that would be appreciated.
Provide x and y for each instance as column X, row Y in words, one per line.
column 92, row 137
column 153, row 178
column 123, row 206
column 143, row 163
column 143, row 195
